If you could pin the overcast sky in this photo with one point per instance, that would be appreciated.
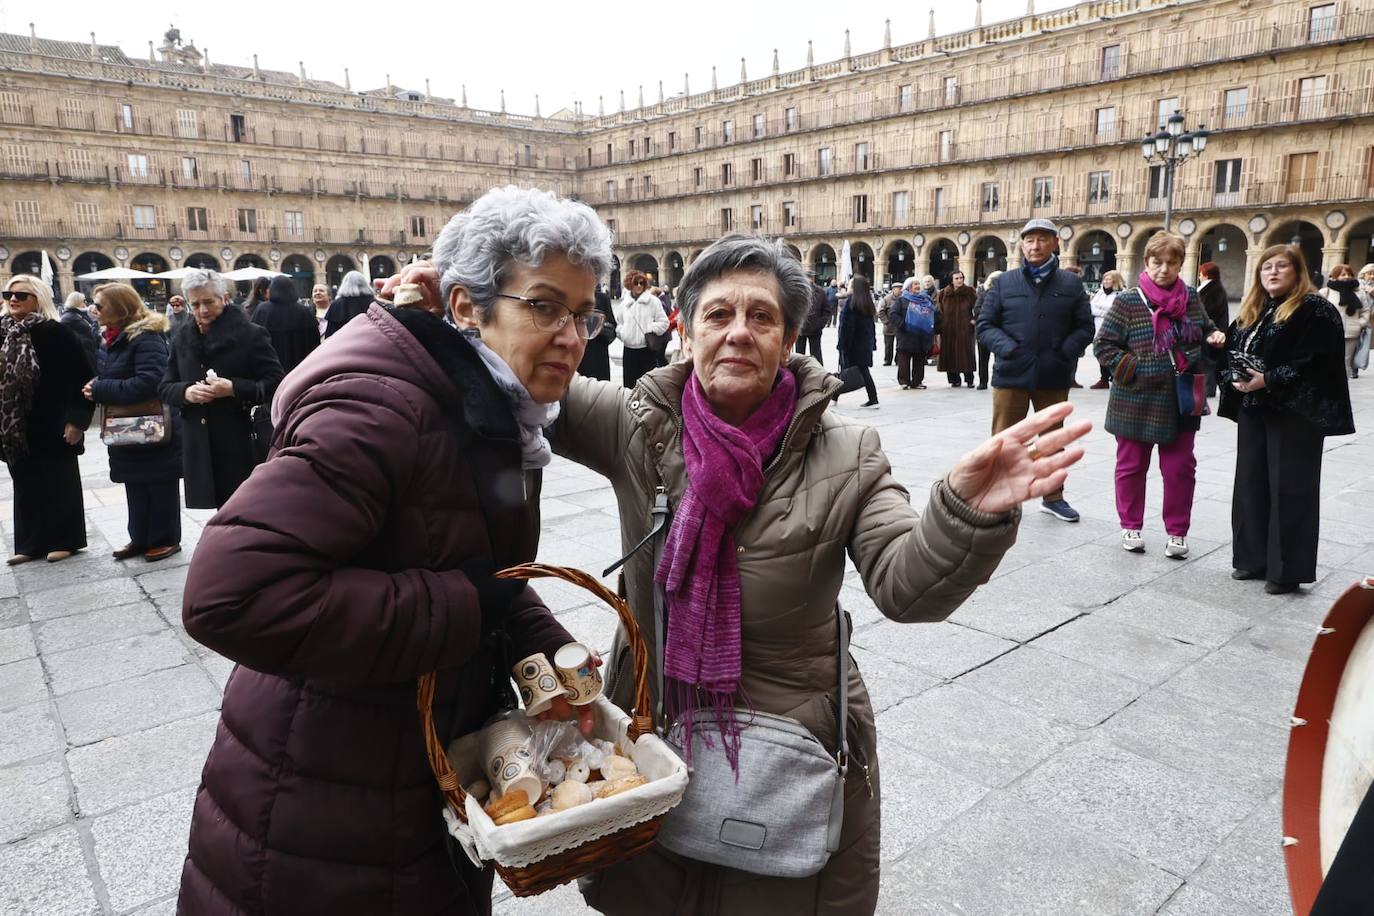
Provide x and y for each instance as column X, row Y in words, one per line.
column 563, row 51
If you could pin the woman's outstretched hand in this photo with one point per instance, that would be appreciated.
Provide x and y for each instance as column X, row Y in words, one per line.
column 1005, row 471
column 421, row 273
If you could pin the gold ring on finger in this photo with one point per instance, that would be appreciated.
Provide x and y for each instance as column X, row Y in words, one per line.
column 1033, row 452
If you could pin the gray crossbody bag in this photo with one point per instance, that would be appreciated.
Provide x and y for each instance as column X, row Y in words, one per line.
column 781, row 814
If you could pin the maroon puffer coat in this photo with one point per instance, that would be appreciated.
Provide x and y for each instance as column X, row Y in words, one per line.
column 332, row 578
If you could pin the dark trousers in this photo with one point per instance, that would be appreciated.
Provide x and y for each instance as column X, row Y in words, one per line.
column 49, row 513
column 954, row 378
column 635, row 362
column 911, row 368
column 1275, row 509
column 984, row 354
column 814, row 342
column 154, row 513
column 1012, row 405
column 889, row 340
column 856, row 377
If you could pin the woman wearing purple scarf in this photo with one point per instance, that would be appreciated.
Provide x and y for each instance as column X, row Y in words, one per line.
column 769, row 490
column 1150, row 333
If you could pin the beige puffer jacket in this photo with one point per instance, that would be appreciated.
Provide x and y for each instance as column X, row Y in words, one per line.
column 829, row 490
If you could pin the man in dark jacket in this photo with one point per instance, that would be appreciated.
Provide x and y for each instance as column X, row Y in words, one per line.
column 823, row 305
column 596, row 359
column 292, row 327
column 79, row 322
column 1038, row 322
column 889, row 316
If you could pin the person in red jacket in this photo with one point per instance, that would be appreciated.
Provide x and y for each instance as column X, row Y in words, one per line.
column 406, row 468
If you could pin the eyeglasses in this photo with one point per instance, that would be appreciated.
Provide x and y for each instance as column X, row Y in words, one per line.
column 546, row 316
column 15, row 295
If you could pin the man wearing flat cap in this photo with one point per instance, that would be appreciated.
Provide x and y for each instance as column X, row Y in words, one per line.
column 1037, row 322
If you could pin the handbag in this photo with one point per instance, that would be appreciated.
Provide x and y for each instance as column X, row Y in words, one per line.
column 780, row 815
column 851, row 378
column 145, row 423
column 260, row 428
column 1191, row 388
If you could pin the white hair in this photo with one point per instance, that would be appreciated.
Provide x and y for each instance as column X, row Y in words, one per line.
column 912, row 284
column 516, row 225
column 200, row 278
column 746, row 253
column 75, row 300
column 354, row 284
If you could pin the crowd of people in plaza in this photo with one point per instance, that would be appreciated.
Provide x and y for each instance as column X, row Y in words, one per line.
column 376, row 457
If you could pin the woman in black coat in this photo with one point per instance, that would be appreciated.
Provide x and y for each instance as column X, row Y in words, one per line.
column 43, row 418
column 354, row 298
column 292, row 328
column 217, row 444
column 129, row 367
column 596, row 360
column 1284, row 385
column 858, row 339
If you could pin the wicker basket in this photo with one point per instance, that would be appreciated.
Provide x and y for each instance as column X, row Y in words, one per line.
column 612, row 842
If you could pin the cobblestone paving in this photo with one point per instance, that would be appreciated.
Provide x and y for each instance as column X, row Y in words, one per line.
column 1094, row 732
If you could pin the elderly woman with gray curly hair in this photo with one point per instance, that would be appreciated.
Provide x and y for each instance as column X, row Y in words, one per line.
column 406, row 468
column 741, row 490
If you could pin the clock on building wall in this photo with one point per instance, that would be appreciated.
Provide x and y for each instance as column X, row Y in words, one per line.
column 401, row 257
column 1258, row 224
column 964, row 238
column 226, row 254
column 176, row 253
column 275, row 255
column 1187, row 228
column 4, row 253
column 1123, row 230
column 63, row 252
column 1335, row 219
column 319, row 255
column 1066, row 232
column 919, row 241
column 121, row 253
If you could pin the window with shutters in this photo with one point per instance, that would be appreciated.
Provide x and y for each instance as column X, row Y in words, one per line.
column 696, row 136
column 860, row 208
column 87, row 213
column 293, row 223
column 11, row 107
column 789, row 165
column 1301, row 174
column 1165, row 110
column 951, row 84
column 1104, row 124
column 190, row 169
column 789, row 119
column 991, row 197
column 18, row 159
column 648, row 149
column 634, row 148
column 937, row 204
column 906, row 97
column 1226, row 182
column 187, row 125
column 138, row 165
column 727, row 174
column 1052, row 74
column 248, row 219
column 79, row 161
column 26, row 212
column 901, row 208
column 419, row 227
column 861, row 157
column 145, row 216
column 646, row 185
column 760, row 125
column 126, row 116
column 823, row 161
column 727, row 219
column 1321, row 23
column 1234, row 106
column 946, row 145
column 1111, row 62
column 672, row 141
column 1175, row 48
column 789, row 214
column 1369, row 169
column 610, row 189
column 1311, row 96
column 698, row 175
column 1158, row 186
column 727, row 131
column 1042, row 192
column 73, row 112
column 756, row 217
column 1099, row 187
column 246, row 171
column 197, row 220
column 756, row 170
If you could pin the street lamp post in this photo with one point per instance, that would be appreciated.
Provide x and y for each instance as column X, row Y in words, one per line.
column 1170, row 148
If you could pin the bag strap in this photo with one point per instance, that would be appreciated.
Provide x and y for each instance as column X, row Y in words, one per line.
column 659, row 533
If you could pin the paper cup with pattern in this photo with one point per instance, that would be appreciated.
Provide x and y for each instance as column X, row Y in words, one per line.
column 579, row 674
column 505, row 750
column 538, row 682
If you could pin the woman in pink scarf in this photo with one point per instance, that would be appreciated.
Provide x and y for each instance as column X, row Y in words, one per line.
column 770, row 490
column 1150, row 334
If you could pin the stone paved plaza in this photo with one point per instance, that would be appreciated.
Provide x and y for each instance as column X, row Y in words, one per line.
column 1093, row 733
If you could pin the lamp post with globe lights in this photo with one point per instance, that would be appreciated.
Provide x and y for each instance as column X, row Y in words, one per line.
column 1170, row 148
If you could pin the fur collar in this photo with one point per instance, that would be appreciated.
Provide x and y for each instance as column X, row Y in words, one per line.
column 152, row 323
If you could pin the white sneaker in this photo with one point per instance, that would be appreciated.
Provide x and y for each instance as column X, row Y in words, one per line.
column 1131, row 540
column 1177, row 548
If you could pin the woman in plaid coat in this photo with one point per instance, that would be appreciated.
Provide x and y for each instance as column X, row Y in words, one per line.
column 1149, row 332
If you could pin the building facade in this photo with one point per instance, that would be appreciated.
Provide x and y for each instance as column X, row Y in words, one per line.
column 918, row 158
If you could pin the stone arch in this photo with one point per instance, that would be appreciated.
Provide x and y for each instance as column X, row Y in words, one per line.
column 1224, row 245
column 153, row 290
column 203, row 261
column 1095, row 251
column 989, row 256
column 944, row 259
column 1358, row 241
column 335, row 268
column 301, row 270
column 379, row 267
column 899, row 258
column 673, row 269
column 861, row 259
column 823, row 263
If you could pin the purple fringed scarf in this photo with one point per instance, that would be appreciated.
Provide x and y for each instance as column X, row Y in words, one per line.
column 1170, row 316
column 699, row 572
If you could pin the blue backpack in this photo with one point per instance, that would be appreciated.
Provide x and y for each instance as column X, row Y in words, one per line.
column 920, row 315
